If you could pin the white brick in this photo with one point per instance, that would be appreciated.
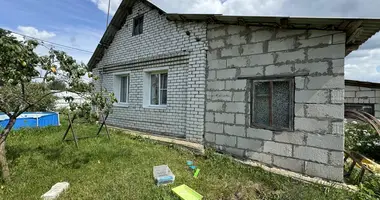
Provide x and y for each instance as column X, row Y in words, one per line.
column 310, row 153
column 316, row 67
column 224, row 117
column 225, row 140
column 235, row 130
column 336, row 158
column 330, row 82
column 236, row 85
column 277, row 148
column 325, row 110
column 250, row 49
column 290, row 137
column 324, row 171
column 218, row 64
column 291, row 56
column 261, row 157
column 245, row 143
column 311, row 96
column 226, row 74
column 288, row 163
column 278, row 70
column 333, row 142
column 315, row 41
column 332, row 51
column 235, row 107
column 230, row 51
column 281, row 44
column 259, row 134
column 311, row 125
column 261, row 35
column 214, row 127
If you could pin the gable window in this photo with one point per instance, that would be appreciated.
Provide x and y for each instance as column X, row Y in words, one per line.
column 138, row 23
column 121, row 88
column 273, row 104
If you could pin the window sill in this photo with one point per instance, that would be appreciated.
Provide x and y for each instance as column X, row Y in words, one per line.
column 155, row 107
column 124, row 105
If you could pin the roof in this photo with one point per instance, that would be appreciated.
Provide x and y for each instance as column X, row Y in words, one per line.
column 361, row 83
column 358, row 30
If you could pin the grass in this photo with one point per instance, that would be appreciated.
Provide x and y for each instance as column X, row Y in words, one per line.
column 121, row 168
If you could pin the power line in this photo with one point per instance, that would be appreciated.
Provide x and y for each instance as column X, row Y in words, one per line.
column 53, row 43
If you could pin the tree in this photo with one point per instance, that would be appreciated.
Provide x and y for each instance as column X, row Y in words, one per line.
column 19, row 66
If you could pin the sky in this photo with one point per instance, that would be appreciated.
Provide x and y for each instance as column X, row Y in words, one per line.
column 81, row 23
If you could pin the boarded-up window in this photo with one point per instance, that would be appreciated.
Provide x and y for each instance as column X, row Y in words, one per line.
column 273, row 104
column 138, row 23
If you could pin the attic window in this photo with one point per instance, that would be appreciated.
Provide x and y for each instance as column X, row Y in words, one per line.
column 138, row 25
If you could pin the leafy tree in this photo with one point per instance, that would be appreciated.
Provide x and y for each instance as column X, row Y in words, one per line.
column 19, row 66
column 57, row 85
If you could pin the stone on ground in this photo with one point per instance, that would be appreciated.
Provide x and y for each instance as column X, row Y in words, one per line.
column 55, row 191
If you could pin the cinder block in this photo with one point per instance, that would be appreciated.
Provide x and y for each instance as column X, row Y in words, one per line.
column 259, row 134
column 291, row 56
column 218, row 64
column 230, row 51
column 250, row 49
column 349, row 94
column 319, row 33
column 311, row 125
column 214, row 44
column 337, row 96
column 261, row 35
column 336, row 158
column 215, row 106
column 315, row 41
column 289, row 32
column 240, row 119
column 324, row 171
column 288, row 163
column 251, row 144
column 226, row 74
column 310, row 153
column 237, row 62
column 278, row 148
column 225, row 140
column 235, row 107
column 236, row 85
column 299, row 110
column 338, row 66
column 213, row 127
column 332, row 51
column 278, row 70
column 325, row 110
column 311, row 68
column 224, row 117
column 300, row 82
column 339, row 38
column 209, row 117
column 377, row 93
column 311, row 96
column 239, row 97
column 326, row 82
column 214, row 33
column 210, row 137
column 290, row 137
column 252, row 71
column 220, row 95
column 333, row 142
column 215, row 85
column 261, row 59
column 235, row 151
column 236, row 40
column 235, row 29
column 261, row 157
column 281, row 44
column 351, row 88
column 235, row 130
column 337, row 128
column 211, row 75
column 368, row 94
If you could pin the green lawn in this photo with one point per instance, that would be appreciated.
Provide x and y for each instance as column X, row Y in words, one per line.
column 121, row 168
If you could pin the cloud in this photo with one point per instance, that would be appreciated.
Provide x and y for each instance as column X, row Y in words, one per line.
column 33, row 32
column 103, row 5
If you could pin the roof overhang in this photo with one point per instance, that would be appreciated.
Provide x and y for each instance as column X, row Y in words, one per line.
column 361, row 84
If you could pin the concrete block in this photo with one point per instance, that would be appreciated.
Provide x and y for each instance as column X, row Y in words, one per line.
column 235, row 107
column 311, row 68
column 215, row 106
column 215, row 85
column 337, row 128
column 365, row 94
column 291, row 56
column 261, row 59
column 213, row 127
column 351, row 88
column 338, row 66
column 221, row 96
column 319, row 33
column 237, row 62
column 240, row 119
column 377, row 114
column 259, row 134
column 235, row 151
column 226, row 74
column 55, row 191
column 252, row 71
column 333, row 142
column 349, row 94
column 281, row 44
column 289, row 32
column 288, row 163
column 311, row 96
column 311, row 125
column 310, row 153
column 300, row 82
column 261, row 35
column 230, row 51
column 213, row 26
column 239, row 96
column 210, row 137
column 324, row 171
column 251, row 144
column 235, row 29
column 209, row 117
column 211, row 75
column 225, row 140
column 315, row 41
column 278, row 148
column 377, row 100
column 332, row 52
column 325, row 110
column 261, row 157
column 337, row 96
column 235, row 130
column 299, row 110
column 250, row 49
column 365, row 89
column 377, row 107
column 377, row 93
column 214, row 44
column 236, row 40
column 339, row 38
column 290, row 137
column 218, row 64
column 328, row 82
column 336, row 158
column 224, row 117
column 278, row 70
column 236, row 85
column 349, row 100
column 214, row 33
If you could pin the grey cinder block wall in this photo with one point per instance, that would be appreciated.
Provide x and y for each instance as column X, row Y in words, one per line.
column 315, row 59
column 181, row 47
column 363, row 95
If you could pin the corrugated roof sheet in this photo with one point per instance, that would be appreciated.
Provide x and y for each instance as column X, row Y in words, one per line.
column 358, row 30
column 362, row 83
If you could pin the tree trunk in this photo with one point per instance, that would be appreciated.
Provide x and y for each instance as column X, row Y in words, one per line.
column 3, row 158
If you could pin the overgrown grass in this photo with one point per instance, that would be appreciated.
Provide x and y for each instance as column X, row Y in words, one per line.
column 121, row 168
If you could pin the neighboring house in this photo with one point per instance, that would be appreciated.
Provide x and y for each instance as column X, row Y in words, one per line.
column 364, row 96
column 61, row 102
column 270, row 89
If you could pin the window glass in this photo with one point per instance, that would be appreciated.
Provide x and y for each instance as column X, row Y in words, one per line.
column 138, row 25
column 154, row 91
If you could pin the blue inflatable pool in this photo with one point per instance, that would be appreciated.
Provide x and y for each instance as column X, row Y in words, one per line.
column 31, row 120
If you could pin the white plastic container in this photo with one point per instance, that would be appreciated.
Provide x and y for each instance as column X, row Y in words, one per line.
column 163, row 175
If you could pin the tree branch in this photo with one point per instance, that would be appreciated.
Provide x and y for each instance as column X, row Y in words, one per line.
column 32, row 104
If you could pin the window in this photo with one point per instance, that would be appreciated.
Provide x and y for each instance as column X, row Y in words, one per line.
column 158, row 88
column 368, row 108
column 121, row 88
column 138, row 25
column 272, row 104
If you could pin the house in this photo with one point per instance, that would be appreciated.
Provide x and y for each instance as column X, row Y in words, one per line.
column 270, row 89
column 364, row 96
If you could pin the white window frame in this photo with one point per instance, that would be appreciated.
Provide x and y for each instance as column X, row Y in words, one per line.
column 147, row 87
column 117, row 88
